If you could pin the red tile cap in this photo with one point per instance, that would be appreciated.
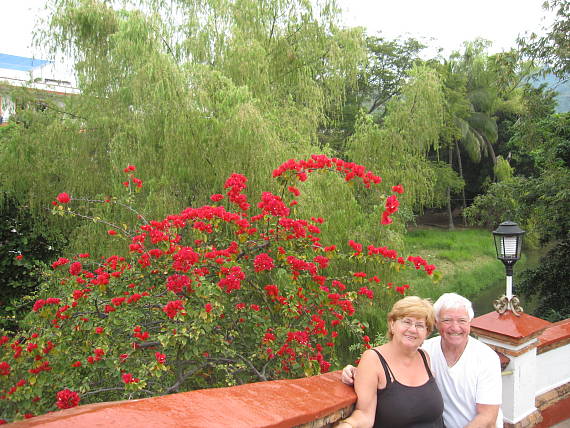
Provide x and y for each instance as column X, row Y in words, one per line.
column 558, row 334
column 509, row 327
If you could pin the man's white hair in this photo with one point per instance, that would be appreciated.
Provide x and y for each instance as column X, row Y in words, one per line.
column 453, row 301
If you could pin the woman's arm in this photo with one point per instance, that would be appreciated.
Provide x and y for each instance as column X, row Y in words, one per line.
column 366, row 383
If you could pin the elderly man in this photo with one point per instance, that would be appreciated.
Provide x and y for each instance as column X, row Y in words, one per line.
column 467, row 372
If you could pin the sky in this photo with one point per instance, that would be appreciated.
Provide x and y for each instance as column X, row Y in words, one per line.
column 447, row 23
column 439, row 23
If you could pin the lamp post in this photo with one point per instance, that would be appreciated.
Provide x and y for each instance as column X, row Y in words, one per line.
column 508, row 242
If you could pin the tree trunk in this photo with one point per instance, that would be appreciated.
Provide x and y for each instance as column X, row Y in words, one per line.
column 460, row 168
column 449, row 211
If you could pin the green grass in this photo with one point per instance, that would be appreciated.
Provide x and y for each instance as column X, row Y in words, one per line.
column 465, row 259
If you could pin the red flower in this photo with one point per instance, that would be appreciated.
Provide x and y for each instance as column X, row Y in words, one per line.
column 128, row 378
column 216, row 197
column 99, row 330
column 272, row 290
column 111, row 232
column 177, row 283
column 75, row 268
column 172, row 308
column 160, row 358
column 137, row 181
column 60, row 262
column 263, row 262
column 208, row 307
column 63, row 198
column 273, row 205
column 67, row 399
column 322, row 261
column 19, row 257
column 117, row 301
column 386, row 218
column 134, row 298
column 40, row 303
column 364, row 291
column 130, row 168
column 269, row 337
column 294, row 190
column 4, row 369
column 398, row 189
column 76, row 364
column 356, row 247
column 392, row 204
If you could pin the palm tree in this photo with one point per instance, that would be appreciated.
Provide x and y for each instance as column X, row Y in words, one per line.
column 471, row 100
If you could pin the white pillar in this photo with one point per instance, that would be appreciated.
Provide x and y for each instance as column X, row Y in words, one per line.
column 519, row 379
column 515, row 337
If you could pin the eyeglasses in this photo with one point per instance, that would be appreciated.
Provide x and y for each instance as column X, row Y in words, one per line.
column 461, row 321
column 409, row 324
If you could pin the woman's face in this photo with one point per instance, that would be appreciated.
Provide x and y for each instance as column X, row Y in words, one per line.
column 409, row 331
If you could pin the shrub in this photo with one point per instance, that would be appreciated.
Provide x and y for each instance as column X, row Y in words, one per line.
column 212, row 296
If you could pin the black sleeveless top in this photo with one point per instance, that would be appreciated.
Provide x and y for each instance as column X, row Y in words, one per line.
column 401, row 406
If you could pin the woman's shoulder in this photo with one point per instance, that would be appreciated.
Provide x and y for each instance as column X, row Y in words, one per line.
column 370, row 365
column 371, row 353
column 371, row 357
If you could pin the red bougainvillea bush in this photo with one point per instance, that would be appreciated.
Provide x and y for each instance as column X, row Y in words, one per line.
column 213, row 296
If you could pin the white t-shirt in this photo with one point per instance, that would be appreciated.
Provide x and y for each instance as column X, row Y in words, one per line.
column 474, row 378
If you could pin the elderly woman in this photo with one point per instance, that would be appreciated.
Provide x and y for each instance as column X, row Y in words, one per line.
column 394, row 384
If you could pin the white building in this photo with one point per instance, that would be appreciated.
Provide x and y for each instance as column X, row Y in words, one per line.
column 31, row 73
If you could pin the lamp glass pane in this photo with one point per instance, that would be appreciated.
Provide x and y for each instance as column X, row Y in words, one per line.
column 509, row 246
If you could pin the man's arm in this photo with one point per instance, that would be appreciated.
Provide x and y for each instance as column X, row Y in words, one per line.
column 486, row 416
column 489, row 387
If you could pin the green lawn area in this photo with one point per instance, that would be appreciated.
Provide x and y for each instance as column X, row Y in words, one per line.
column 464, row 257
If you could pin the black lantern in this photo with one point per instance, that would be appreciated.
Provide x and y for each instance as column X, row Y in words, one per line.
column 508, row 243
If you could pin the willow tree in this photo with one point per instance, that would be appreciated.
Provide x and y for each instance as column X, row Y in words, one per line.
column 189, row 92
column 411, row 128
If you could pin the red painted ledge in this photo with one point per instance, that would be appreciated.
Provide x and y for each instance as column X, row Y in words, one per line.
column 558, row 334
column 274, row 404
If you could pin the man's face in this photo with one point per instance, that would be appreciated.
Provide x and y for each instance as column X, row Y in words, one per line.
column 454, row 326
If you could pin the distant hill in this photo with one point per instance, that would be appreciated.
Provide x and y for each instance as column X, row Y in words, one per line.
column 563, row 89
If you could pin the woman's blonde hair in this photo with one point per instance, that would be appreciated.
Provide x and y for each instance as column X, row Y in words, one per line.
column 412, row 306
